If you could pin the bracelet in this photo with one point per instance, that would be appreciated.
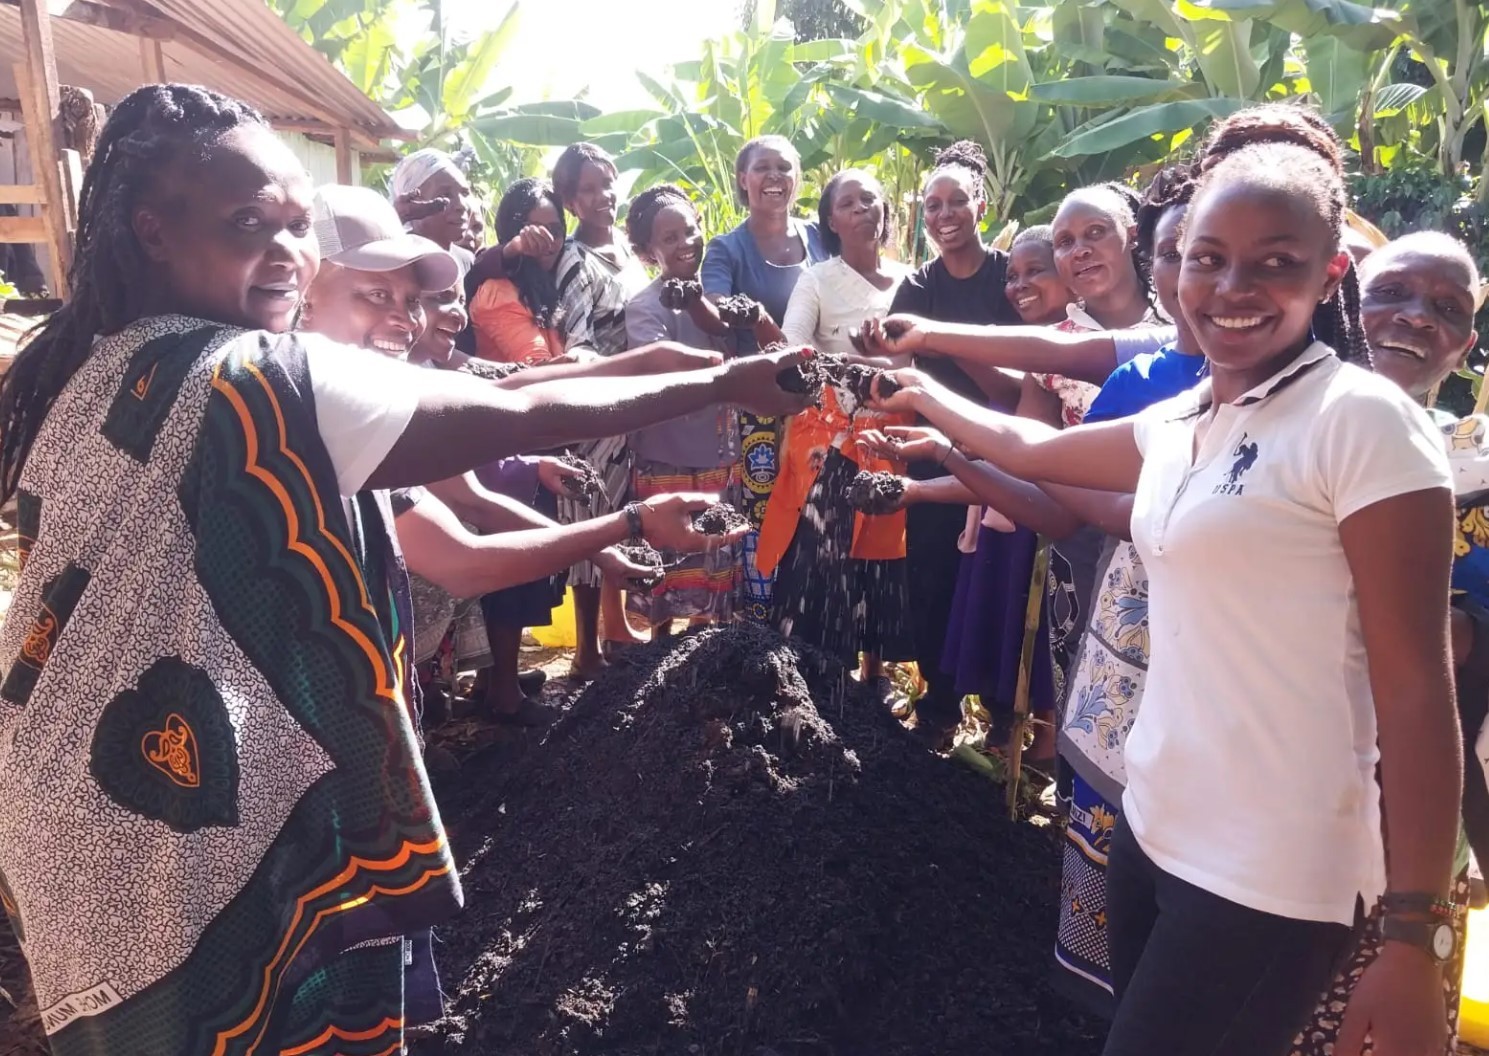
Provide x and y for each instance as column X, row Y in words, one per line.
column 950, row 447
column 633, row 520
column 1418, row 902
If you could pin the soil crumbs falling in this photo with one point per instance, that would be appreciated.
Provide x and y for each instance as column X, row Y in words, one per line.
column 717, row 852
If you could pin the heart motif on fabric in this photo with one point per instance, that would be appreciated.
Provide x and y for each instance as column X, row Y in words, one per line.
column 172, row 751
column 167, row 749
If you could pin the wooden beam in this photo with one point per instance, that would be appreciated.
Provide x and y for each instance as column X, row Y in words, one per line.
column 152, row 61
column 343, row 144
column 20, row 194
column 36, row 78
column 24, row 229
column 108, row 17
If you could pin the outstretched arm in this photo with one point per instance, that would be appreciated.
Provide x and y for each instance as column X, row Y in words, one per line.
column 460, row 422
column 1089, row 356
column 1104, row 457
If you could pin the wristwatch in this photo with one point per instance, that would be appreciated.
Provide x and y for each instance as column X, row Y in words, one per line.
column 1433, row 937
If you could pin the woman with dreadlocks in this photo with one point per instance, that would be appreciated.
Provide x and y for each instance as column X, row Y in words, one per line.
column 215, row 825
column 1293, row 513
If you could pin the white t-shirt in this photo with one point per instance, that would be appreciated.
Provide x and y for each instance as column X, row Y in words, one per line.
column 1251, row 766
column 363, row 403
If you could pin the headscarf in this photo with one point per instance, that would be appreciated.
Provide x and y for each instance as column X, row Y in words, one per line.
column 414, row 170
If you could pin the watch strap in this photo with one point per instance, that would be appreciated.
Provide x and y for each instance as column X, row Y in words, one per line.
column 1422, row 934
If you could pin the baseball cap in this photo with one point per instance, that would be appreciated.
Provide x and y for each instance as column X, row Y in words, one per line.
column 359, row 229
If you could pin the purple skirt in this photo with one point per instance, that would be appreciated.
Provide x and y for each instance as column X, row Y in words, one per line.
column 987, row 624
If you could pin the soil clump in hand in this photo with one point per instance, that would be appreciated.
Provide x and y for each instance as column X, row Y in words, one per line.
column 719, row 519
column 677, row 294
column 643, row 553
column 876, row 493
column 587, row 483
column 726, row 848
column 739, row 312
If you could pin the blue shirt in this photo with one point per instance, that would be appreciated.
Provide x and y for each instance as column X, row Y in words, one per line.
column 1144, row 381
column 733, row 265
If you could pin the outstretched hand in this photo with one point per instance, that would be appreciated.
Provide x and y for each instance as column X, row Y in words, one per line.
column 534, row 240
column 617, row 568
column 907, row 443
column 909, row 384
column 410, row 207
column 667, row 523
column 894, row 335
column 751, row 382
column 552, row 473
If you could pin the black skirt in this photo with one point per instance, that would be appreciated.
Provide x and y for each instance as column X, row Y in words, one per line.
column 824, row 597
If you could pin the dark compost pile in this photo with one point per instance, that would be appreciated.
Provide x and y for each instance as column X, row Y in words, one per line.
column 739, row 312
column 715, row 853
column 677, row 294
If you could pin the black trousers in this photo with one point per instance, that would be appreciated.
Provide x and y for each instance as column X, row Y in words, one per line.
column 1197, row 975
column 932, row 563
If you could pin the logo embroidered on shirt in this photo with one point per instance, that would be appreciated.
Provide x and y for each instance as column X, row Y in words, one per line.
column 1245, row 458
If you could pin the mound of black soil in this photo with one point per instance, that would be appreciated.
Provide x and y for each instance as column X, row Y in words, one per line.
column 719, row 519
column 719, row 852
column 587, row 483
column 874, row 493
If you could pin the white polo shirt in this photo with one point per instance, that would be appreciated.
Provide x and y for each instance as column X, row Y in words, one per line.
column 1251, row 767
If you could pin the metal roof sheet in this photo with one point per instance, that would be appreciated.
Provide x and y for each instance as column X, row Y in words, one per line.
column 258, row 59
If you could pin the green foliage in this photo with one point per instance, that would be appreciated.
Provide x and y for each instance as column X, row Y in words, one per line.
column 1059, row 93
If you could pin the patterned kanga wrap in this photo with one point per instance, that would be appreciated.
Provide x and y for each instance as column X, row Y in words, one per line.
column 214, row 819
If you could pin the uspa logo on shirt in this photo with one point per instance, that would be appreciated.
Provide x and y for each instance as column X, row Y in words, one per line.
column 1245, row 457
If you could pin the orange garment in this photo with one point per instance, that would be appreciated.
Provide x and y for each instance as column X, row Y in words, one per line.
column 506, row 331
column 808, row 437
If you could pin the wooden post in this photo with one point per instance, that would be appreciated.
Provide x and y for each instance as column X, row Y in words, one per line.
column 343, row 142
column 1026, row 669
column 152, row 60
column 36, row 77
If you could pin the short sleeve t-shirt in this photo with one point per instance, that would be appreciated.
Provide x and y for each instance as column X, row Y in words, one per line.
column 705, row 439
column 1251, row 767
column 733, row 264
column 363, row 403
column 1144, row 381
column 934, row 293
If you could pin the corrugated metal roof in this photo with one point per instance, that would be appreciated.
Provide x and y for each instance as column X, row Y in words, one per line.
column 270, row 67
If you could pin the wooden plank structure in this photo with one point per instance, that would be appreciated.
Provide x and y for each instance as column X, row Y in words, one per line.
column 110, row 47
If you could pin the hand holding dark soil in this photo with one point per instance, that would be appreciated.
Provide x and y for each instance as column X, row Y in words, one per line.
column 720, row 519
column 585, row 482
column 410, row 207
column 876, row 493
column 753, row 382
column 679, row 294
column 740, row 312
column 643, row 554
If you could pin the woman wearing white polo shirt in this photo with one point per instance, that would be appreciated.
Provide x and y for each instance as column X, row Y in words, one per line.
column 1294, row 515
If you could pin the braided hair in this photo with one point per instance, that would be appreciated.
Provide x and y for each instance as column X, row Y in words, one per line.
column 150, row 129
column 571, row 163
column 832, row 243
column 642, row 214
column 1172, row 186
column 537, row 289
column 1293, row 148
column 968, row 158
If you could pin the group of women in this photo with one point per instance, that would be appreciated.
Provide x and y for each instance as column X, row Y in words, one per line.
column 1194, row 390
